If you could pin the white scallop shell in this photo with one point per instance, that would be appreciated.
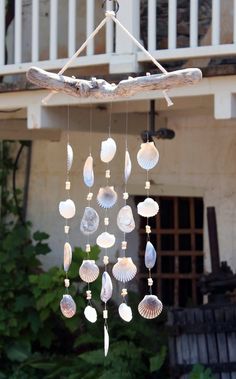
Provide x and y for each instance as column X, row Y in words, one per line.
column 148, row 207
column 107, row 287
column 90, row 314
column 69, row 157
column 108, row 150
column 67, row 256
column 106, row 197
column 106, row 340
column 148, row 156
column 150, row 307
column 128, row 166
column 88, row 271
column 150, row 255
column 124, row 270
column 68, row 306
column 125, row 312
column 88, row 173
column 106, row 240
column 89, row 222
column 67, row 208
column 125, row 219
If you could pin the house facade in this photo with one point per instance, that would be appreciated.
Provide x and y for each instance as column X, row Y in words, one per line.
column 196, row 169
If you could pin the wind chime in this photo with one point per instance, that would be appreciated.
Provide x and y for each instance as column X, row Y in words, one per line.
column 148, row 156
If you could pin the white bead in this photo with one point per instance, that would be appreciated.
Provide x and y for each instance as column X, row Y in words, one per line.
column 66, row 229
column 148, row 229
column 108, row 174
column 124, row 245
column 148, row 74
column 88, row 248
column 89, row 196
column 67, row 283
column 106, row 221
column 147, row 185
column 88, row 295
column 124, row 292
column 67, row 186
column 125, row 195
column 105, row 314
column 105, row 260
column 150, row 282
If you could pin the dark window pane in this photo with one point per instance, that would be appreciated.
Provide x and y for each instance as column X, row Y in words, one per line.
column 184, row 213
column 185, row 265
column 199, row 296
column 198, row 206
column 185, row 292
column 199, row 242
column 166, row 213
column 199, row 265
column 185, row 242
column 167, row 264
column 167, row 286
column 167, row 242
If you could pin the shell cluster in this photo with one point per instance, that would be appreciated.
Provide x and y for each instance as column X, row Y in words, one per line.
column 68, row 306
column 88, row 271
column 124, row 270
column 150, row 307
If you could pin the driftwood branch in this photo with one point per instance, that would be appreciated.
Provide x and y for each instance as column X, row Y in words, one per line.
column 100, row 89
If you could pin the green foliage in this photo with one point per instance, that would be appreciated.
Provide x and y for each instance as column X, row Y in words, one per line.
column 199, row 372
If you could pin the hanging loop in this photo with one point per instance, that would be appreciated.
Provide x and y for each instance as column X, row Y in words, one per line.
column 116, row 6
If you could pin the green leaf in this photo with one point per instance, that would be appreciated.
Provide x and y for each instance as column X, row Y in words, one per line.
column 40, row 236
column 158, row 360
column 19, row 351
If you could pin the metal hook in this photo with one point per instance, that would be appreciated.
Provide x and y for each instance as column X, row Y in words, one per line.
column 116, row 5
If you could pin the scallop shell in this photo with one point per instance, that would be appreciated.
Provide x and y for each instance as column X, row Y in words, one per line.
column 67, row 256
column 148, row 208
column 67, row 208
column 148, row 156
column 124, row 270
column 107, row 288
column 150, row 307
column 106, row 240
column 90, row 314
column 125, row 219
column 150, row 255
column 125, row 312
column 68, row 306
column 106, row 340
column 88, row 172
column 88, row 271
column 128, row 166
column 69, row 157
column 107, row 197
column 89, row 222
column 108, row 150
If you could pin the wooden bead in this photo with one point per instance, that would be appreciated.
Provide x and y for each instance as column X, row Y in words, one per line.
column 147, row 185
column 67, row 283
column 124, row 245
column 67, row 186
column 105, row 260
column 108, row 174
column 66, row 229
column 89, row 196
column 150, row 282
column 88, row 295
column 105, row 314
column 125, row 195
column 124, row 292
column 148, row 229
column 88, row 248
column 106, row 221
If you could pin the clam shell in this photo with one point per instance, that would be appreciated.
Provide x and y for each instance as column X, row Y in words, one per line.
column 107, row 288
column 150, row 255
column 68, row 306
column 148, row 208
column 150, row 307
column 124, row 270
column 69, row 157
column 106, row 340
column 90, row 314
column 88, row 173
column 89, row 222
column 125, row 312
column 107, row 197
column 88, row 271
column 108, row 150
column 106, row 240
column 128, row 166
column 67, row 256
column 125, row 219
column 148, row 156
column 67, row 208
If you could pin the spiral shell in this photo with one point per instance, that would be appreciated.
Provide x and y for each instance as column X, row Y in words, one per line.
column 106, row 240
column 108, row 150
column 150, row 255
column 68, row 306
column 106, row 197
column 128, row 166
column 125, row 219
column 67, row 256
column 125, row 312
column 67, row 208
column 69, row 157
column 148, row 156
column 150, row 307
column 90, row 314
column 88, row 173
column 88, row 271
column 148, row 208
column 89, row 222
column 124, row 270
column 107, row 287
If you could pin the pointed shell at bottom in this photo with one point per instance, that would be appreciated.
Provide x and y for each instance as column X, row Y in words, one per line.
column 68, row 306
column 150, row 307
column 106, row 340
column 125, row 312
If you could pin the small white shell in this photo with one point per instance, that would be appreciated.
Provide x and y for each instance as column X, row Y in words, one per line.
column 67, row 208
column 148, row 156
column 67, row 256
column 150, row 255
column 88, row 173
column 89, row 222
column 88, row 271
column 125, row 312
column 90, row 314
column 124, row 270
column 68, row 306
column 69, row 157
column 148, row 208
column 107, row 197
column 150, row 307
column 128, row 166
column 107, row 288
column 106, row 240
column 106, row 340
column 108, row 150
column 125, row 219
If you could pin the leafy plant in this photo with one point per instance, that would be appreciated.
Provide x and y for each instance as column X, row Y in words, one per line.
column 200, row 372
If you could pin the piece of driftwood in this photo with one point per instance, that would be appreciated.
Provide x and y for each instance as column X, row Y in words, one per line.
column 100, row 89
